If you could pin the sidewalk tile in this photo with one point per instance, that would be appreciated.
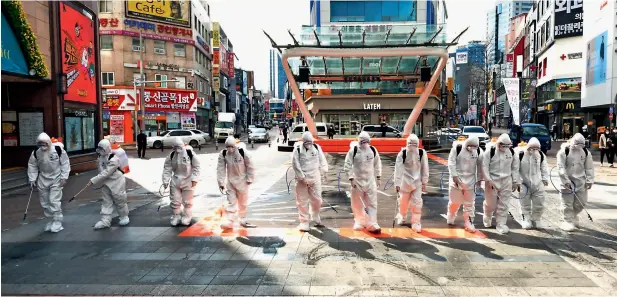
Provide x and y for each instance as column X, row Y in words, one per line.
column 322, row 291
column 269, row 290
column 140, row 290
column 242, row 290
column 403, row 291
column 200, row 280
column 165, row 290
column 456, row 291
column 512, row 291
column 430, row 291
column 296, row 290
column 190, row 290
column 216, row 290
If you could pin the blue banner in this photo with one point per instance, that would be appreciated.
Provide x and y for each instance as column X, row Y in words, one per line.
column 13, row 59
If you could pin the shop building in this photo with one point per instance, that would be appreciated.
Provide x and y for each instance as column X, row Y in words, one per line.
column 223, row 73
column 176, row 58
column 50, row 63
column 599, row 94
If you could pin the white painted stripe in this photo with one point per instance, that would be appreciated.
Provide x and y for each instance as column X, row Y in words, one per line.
column 271, row 220
column 258, row 204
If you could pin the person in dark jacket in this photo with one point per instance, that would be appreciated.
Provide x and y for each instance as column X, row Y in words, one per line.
column 284, row 133
column 384, row 129
column 142, row 142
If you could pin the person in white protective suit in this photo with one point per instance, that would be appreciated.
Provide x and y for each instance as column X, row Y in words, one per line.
column 363, row 166
column 500, row 168
column 236, row 164
column 465, row 167
column 534, row 175
column 113, row 185
column 48, row 171
column 310, row 165
column 576, row 173
column 181, row 173
column 410, row 179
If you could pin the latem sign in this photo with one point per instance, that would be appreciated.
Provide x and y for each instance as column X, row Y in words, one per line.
column 372, row 106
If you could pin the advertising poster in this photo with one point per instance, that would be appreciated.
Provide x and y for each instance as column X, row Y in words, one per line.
column 173, row 120
column 116, row 128
column 78, row 54
column 568, row 18
column 30, row 126
column 73, row 134
column 188, row 120
column 461, row 58
column 596, row 60
column 168, row 100
column 513, row 94
column 527, row 100
column 568, row 85
column 173, row 12
column 88, row 128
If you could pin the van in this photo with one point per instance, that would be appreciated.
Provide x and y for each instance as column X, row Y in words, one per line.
column 297, row 131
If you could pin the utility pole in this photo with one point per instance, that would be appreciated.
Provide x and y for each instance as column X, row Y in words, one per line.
column 143, row 79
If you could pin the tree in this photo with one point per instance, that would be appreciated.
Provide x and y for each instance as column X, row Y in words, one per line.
column 479, row 77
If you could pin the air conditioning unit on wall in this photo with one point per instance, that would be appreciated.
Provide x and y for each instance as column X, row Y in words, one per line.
column 160, row 51
column 136, row 48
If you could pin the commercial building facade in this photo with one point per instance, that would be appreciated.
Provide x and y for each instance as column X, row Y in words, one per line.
column 498, row 26
column 50, row 63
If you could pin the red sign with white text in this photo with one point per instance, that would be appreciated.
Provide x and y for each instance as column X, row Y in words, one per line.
column 78, row 54
column 170, row 100
column 230, row 64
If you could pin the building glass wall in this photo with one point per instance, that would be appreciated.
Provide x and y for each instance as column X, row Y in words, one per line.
column 373, row 11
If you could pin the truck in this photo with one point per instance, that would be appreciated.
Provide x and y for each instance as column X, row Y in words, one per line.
column 225, row 126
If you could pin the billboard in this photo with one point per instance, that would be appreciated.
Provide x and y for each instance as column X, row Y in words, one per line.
column 170, row 100
column 461, row 58
column 78, row 53
column 173, row 12
column 568, row 18
column 568, row 85
column 596, row 60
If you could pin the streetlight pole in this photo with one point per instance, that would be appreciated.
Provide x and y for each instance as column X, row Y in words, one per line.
column 143, row 79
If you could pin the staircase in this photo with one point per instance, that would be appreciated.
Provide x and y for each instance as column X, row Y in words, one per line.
column 14, row 179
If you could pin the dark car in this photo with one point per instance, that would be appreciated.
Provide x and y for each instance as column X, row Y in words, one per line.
column 533, row 130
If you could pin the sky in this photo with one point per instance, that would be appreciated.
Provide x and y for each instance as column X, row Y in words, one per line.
column 244, row 20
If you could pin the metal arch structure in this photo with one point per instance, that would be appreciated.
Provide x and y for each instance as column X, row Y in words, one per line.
column 297, row 52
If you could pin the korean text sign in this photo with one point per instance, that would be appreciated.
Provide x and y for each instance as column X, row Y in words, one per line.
column 170, row 100
column 568, row 18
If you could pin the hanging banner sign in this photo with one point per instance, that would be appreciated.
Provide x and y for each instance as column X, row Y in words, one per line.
column 513, row 94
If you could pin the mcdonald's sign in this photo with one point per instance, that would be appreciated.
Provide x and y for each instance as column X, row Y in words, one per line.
column 569, row 106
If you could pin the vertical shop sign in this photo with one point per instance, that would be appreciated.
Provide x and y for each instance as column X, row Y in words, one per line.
column 513, row 94
column 188, row 120
column 78, row 53
column 116, row 124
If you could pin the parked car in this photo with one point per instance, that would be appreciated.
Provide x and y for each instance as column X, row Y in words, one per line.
column 533, row 130
column 205, row 135
column 477, row 131
column 167, row 139
column 259, row 135
column 375, row 131
column 296, row 133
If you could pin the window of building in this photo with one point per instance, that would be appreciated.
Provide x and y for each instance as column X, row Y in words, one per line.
column 200, row 86
column 136, row 76
column 107, row 42
column 179, row 49
column 105, row 6
column 181, row 84
column 373, row 11
column 107, row 78
column 137, row 46
column 159, row 47
column 80, row 131
column 162, row 78
column 195, row 22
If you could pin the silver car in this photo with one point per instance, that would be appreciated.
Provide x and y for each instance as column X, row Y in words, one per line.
column 259, row 135
column 167, row 139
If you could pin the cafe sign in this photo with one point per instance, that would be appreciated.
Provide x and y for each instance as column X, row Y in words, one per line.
column 372, row 106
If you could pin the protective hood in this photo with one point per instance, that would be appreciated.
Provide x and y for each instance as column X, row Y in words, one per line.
column 43, row 137
column 578, row 140
column 230, row 141
column 504, row 139
column 364, row 136
column 472, row 141
column 413, row 140
column 533, row 143
column 307, row 137
column 104, row 147
column 178, row 143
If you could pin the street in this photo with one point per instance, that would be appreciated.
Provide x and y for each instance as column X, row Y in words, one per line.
column 149, row 257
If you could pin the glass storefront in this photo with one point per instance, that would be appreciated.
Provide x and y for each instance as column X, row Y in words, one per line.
column 347, row 124
column 80, row 131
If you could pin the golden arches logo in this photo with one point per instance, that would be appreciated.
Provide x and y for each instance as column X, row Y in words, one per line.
column 569, row 106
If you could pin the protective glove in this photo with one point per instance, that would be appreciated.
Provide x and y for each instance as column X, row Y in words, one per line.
column 424, row 188
column 568, row 186
column 588, row 185
column 193, row 184
column 62, row 182
column 378, row 180
column 165, row 185
column 89, row 183
column 353, row 184
column 457, row 181
column 32, row 184
column 516, row 187
column 492, row 184
column 545, row 182
column 324, row 178
column 398, row 189
column 222, row 188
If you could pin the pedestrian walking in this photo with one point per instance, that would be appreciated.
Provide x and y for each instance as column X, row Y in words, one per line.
column 604, row 148
column 142, row 142
column 284, row 133
column 48, row 171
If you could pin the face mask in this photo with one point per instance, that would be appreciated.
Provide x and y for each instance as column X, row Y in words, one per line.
column 231, row 149
column 43, row 146
column 364, row 143
column 100, row 150
column 471, row 148
column 178, row 150
column 307, row 145
column 503, row 147
column 579, row 145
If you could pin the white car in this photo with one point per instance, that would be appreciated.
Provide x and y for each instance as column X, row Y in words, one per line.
column 296, row 133
column 259, row 135
column 477, row 131
column 205, row 135
column 167, row 139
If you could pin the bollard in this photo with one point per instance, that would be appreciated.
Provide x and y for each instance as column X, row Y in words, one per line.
column 199, row 146
column 216, row 144
column 162, row 147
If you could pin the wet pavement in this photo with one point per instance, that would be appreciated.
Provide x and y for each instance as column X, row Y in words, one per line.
column 148, row 257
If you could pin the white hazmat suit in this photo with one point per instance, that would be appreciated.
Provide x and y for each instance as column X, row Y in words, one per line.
column 534, row 175
column 410, row 179
column 465, row 167
column 310, row 165
column 113, row 185
column 181, row 172
column 240, row 173
column 363, row 166
column 576, row 173
column 501, row 177
column 49, row 172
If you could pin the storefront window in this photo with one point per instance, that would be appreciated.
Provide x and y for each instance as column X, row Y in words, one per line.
column 173, row 120
column 347, row 124
column 79, row 130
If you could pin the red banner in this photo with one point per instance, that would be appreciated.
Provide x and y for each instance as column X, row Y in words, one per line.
column 230, row 63
column 78, row 54
column 170, row 100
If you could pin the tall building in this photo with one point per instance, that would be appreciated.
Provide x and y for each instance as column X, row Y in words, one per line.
column 469, row 72
column 174, row 54
column 223, row 75
column 498, row 25
column 50, row 81
column 278, row 79
column 324, row 13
